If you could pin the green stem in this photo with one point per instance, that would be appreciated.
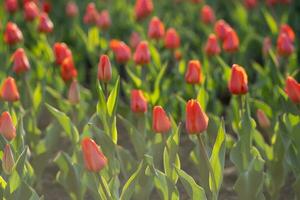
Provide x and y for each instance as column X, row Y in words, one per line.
column 240, row 101
column 106, row 189
column 207, row 162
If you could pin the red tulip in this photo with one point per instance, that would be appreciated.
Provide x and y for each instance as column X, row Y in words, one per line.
column 20, row 61
column 135, row 39
column 8, row 161
column 292, row 89
column 207, row 15
column 94, row 159
column 143, row 9
column 212, row 47
column 11, row 5
column 138, row 102
column 172, row 39
column 90, row 15
column 263, row 120
column 46, row 7
column 45, row 24
column 285, row 46
column 121, row 50
column 142, row 54
column 68, row 70
column 74, row 93
column 26, row 1
column 71, row 9
column 31, row 11
column 193, row 74
column 267, row 45
column 231, row 41
column 104, row 69
column 177, row 54
column 156, row 29
column 221, row 29
column 285, row 28
column 9, row 90
column 238, row 83
column 196, row 118
column 250, row 4
column 160, row 121
column 12, row 34
column 61, row 51
column 103, row 20
column 7, row 127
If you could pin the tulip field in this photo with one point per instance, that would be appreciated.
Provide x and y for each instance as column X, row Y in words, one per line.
column 149, row 99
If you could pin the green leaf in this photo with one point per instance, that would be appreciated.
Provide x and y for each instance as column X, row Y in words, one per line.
column 37, row 97
column 2, row 183
column 155, row 56
column 93, row 38
column 156, row 93
column 113, row 99
column 14, row 181
column 20, row 163
column 271, row 22
column 203, row 97
column 136, row 80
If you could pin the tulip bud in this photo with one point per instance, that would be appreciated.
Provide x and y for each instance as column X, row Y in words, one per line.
column 20, row 61
column 160, row 121
column 91, row 13
column 142, row 54
column 68, row 70
column 103, row 20
column 9, row 91
column 121, row 51
column 196, row 118
column 285, row 46
column 74, row 93
column 12, row 34
column 45, row 24
column 284, row 28
column 7, row 128
column 71, row 9
column 94, row 159
column 138, row 102
column 250, row 4
column 292, row 89
column 172, row 39
column 11, row 5
column 61, row 51
column 104, row 69
column 193, row 74
column 231, row 41
column 212, row 47
column 221, row 29
column 135, row 39
column 207, row 15
column 267, row 45
column 8, row 161
column 143, row 9
column 31, row 11
column 238, row 83
column 263, row 120
column 156, row 29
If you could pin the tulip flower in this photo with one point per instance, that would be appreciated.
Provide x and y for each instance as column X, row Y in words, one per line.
column 196, row 118
column 91, row 13
column 9, row 90
column 172, row 39
column 94, row 159
column 160, row 121
column 20, row 61
column 238, row 83
column 12, row 34
column 285, row 46
column 193, row 74
column 68, row 70
column 11, row 6
column 231, row 41
column 221, row 29
column 263, row 120
column 143, row 8
column 74, row 93
column 45, row 24
column 212, row 47
column 8, row 161
column 61, row 51
column 285, row 28
column 250, row 4
column 138, row 102
column 46, row 7
column 142, row 54
column 292, row 89
column 7, row 128
column 104, row 69
column 31, row 11
column 121, row 51
column 267, row 45
column 207, row 15
column 156, row 29
column 71, row 9
column 103, row 20
column 135, row 39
